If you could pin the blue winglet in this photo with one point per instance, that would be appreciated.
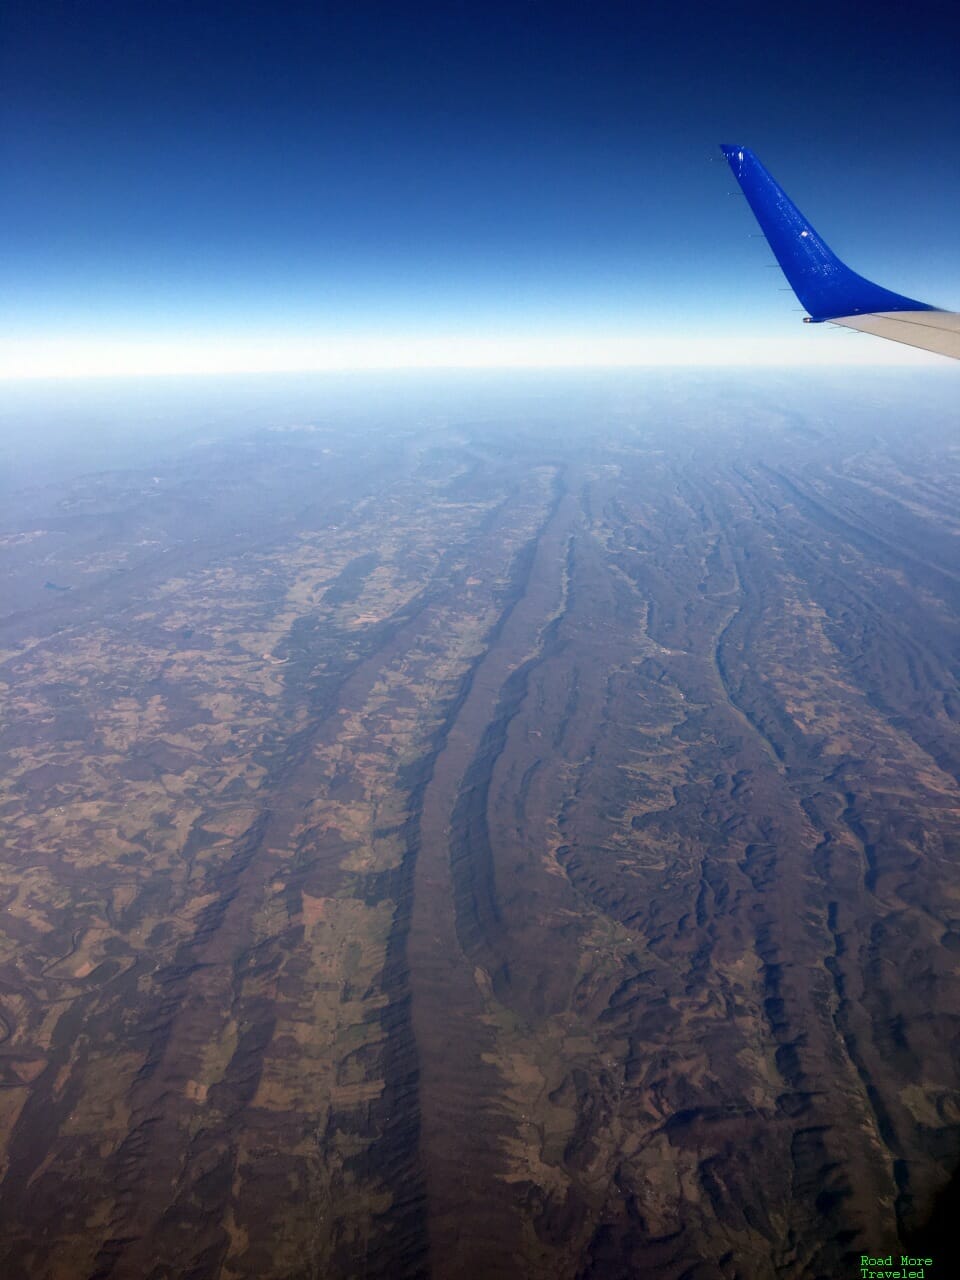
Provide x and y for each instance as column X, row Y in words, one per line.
column 825, row 286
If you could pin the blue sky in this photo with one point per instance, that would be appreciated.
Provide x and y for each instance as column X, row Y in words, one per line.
column 300, row 184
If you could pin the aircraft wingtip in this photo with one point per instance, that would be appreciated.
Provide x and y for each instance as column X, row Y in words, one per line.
column 825, row 286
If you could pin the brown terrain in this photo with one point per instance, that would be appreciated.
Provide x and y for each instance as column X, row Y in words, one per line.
column 510, row 848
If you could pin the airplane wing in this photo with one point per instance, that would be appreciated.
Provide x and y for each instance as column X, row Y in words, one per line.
column 827, row 287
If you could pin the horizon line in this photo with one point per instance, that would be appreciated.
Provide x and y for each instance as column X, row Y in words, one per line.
column 66, row 357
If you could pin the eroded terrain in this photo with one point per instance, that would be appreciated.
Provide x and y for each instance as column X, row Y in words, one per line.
column 512, row 848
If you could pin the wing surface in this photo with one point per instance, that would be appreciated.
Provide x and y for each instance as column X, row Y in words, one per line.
column 826, row 286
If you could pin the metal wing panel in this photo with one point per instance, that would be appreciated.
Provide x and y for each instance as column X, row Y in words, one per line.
column 937, row 331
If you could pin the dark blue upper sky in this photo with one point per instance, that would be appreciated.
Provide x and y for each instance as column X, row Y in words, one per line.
column 202, row 169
